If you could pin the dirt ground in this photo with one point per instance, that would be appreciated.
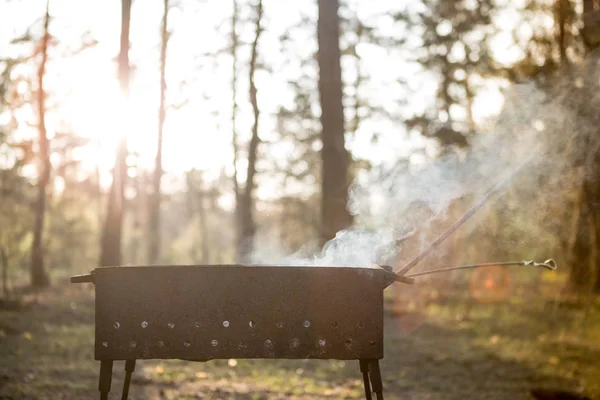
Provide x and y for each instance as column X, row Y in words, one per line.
column 445, row 348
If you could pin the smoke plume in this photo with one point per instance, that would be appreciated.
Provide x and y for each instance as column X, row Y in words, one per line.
column 547, row 124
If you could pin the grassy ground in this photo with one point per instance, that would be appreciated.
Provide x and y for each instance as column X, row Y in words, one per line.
column 442, row 349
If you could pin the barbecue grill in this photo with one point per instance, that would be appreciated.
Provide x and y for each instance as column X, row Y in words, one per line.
column 207, row 312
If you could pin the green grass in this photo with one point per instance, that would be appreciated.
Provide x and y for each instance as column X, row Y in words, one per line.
column 436, row 351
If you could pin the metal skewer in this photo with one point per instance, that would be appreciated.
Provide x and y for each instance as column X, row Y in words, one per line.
column 411, row 264
column 549, row 264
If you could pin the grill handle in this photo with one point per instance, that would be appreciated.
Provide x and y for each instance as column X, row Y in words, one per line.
column 392, row 277
column 87, row 278
column 549, row 264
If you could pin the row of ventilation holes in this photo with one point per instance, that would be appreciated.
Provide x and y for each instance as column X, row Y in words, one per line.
column 294, row 343
column 252, row 324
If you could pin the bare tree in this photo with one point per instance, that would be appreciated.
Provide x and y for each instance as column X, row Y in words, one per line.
column 154, row 242
column 110, row 247
column 39, row 276
column 335, row 158
column 247, row 227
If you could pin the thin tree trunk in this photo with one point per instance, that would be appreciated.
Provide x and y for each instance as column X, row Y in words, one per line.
column 334, row 156
column 234, row 108
column 110, row 247
column 39, row 276
column 155, row 242
column 248, row 227
column 4, row 260
column 354, row 125
column 203, row 227
column 99, row 193
column 562, row 7
column 469, row 98
column 593, row 223
column 134, row 246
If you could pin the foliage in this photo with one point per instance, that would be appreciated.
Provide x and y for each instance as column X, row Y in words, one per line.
column 15, row 213
column 448, row 44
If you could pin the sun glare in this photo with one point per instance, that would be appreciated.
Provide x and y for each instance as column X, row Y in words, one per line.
column 98, row 110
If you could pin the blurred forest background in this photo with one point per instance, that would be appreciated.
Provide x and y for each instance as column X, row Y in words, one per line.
column 190, row 131
column 200, row 132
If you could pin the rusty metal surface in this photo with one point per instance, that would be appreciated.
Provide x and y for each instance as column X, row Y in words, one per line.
column 215, row 312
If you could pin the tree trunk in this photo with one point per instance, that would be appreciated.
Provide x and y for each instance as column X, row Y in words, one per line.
column 591, row 24
column 581, row 275
column 110, row 247
column 592, row 193
column 561, row 10
column 584, row 259
column 39, row 276
column 246, row 209
column 334, row 215
column 234, row 107
column 471, row 126
column 204, row 234
column 134, row 246
column 154, row 241
column 4, row 261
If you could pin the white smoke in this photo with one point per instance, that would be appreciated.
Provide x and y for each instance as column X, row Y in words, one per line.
column 391, row 202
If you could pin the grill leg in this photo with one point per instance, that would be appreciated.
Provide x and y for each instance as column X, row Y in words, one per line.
column 105, row 378
column 129, row 368
column 376, row 382
column 364, row 369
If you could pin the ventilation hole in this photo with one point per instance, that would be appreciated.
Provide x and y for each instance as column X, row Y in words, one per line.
column 294, row 343
column 226, row 324
column 306, row 323
column 171, row 325
column 268, row 343
column 161, row 343
column 117, row 325
column 214, row 343
column 133, row 343
column 372, row 343
column 279, row 324
column 361, row 325
column 144, row 324
column 187, row 344
column 105, row 344
column 348, row 342
column 334, row 324
column 322, row 342
column 251, row 324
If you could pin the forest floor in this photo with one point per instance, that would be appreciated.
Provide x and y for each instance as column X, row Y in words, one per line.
column 442, row 349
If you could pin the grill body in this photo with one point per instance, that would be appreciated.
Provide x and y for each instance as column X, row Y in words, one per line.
column 201, row 313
